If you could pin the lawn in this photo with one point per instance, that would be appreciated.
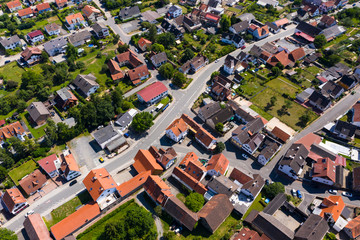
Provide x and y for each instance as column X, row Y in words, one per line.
column 18, row 173
column 250, row 86
column 256, row 205
column 41, row 24
column 314, row 70
column 12, row 71
column 350, row 165
column 36, row 132
column 283, row 86
column 67, row 208
column 295, row 200
column 295, row 110
column 165, row 100
column 261, row 112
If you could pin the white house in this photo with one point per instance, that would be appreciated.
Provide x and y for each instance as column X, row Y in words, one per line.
column 175, row 11
column 86, row 84
column 11, row 42
column 35, row 36
column 126, row 119
column 52, row 29
column 177, row 130
column 69, row 166
column 74, row 21
column 13, row 201
column 293, row 161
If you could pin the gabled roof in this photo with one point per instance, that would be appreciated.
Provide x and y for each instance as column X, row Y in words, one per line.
column 52, row 27
column 127, row 187
column 240, row 176
column 35, row 33
column 11, row 130
column 247, row 17
column 281, row 57
column 319, row 99
column 201, row 134
column 33, row 182
column 354, row 227
column 281, row 22
column 219, row 163
column 209, row 110
column 240, row 26
column 247, row 234
column 13, row 4
column 145, row 161
column 308, row 29
column 297, row 54
column 48, row 163
column 151, row 91
column 24, row 12
column 327, row 20
column 36, row 228
column 97, row 181
column 37, row 109
column 159, row 58
column 137, row 73
column 79, row 36
column 43, row 6
column 314, row 228
column 12, row 197
column 189, row 180
column 85, row 82
column 69, row 164
column 8, row 41
column 115, row 70
column 333, row 205
column 29, row 52
column 345, row 128
column 73, row 18
column 60, row 2
column 222, row 185
column 99, row 27
column 348, row 80
column 142, row 42
column 295, row 157
column 177, row 126
column 104, row 134
column 157, row 189
column 129, row 12
column 88, row 10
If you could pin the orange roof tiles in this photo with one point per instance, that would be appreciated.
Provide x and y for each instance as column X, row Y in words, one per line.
column 13, row 4
column 356, row 113
column 157, row 189
column 33, row 182
column 12, row 197
column 240, row 176
column 309, row 139
column 36, row 228
column 97, row 181
column 281, row 57
column 189, row 180
column 115, row 70
column 281, row 22
column 69, row 164
column 11, row 130
column 297, row 54
column 142, row 42
column 127, row 187
column 42, row 6
column 25, row 12
column 178, row 126
column 333, row 205
column 29, row 52
column 129, row 57
column 145, row 161
column 75, row 221
column 354, row 227
column 283, row 136
column 137, row 73
column 325, row 168
column 61, row 2
column 88, row 10
column 219, row 163
column 73, row 18
column 47, row 163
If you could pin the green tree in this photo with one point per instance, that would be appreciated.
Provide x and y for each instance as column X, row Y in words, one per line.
column 122, row 48
column 194, row 201
column 275, row 71
column 21, row 106
column 187, row 55
column 117, row 98
column 225, row 23
column 304, row 119
column 6, row 234
column 179, row 79
column 156, row 47
column 115, row 231
column 3, row 173
column 166, row 39
column 167, row 70
column 220, row 146
column 71, row 52
column 142, row 122
column 51, row 131
column 273, row 100
column 330, row 236
column 11, row 85
column 273, row 189
column 152, row 32
column 7, row 160
column 44, row 57
column 158, row 210
column 320, row 41
column 214, row 74
column 219, row 127
column 279, row 65
column 138, row 223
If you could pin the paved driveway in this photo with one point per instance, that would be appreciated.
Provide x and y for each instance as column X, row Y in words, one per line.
column 130, row 26
column 86, row 151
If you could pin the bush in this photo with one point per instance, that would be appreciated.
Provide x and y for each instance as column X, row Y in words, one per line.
column 273, row 189
column 194, row 201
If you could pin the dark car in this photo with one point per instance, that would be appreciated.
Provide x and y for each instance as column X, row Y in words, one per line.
column 126, row 135
column 73, row 183
column 189, row 143
column 7, row 61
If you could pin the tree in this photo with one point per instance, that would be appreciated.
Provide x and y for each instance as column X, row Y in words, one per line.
column 7, row 160
column 330, row 236
column 279, row 65
column 6, row 234
column 220, row 146
column 167, row 70
column 117, row 98
column 166, row 39
column 320, row 41
column 273, row 100
column 214, row 74
column 115, row 231
column 156, row 47
column 273, row 189
column 21, row 106
column 187, row 55
column 11, row 85
column 51, row 131
column 219, row 127
column 142, row 122
column 3, row 173
column 44, row 57
column 304, row 119
column 225, row 23
column 194, row 201
column 275, row 71
column 179, row 79
column 297, row 2
column 71, row 52
column 122, row 48
column 138, row 223
column 158, row 210
column 81, row 65
column 152, row 32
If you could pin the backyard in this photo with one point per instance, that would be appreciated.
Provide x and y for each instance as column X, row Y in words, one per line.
column 41, row 24
column 24, row 169
column 283, row 86
column 256, row 205
column 37, row 132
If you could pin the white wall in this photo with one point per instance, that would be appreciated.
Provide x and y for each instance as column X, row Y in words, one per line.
column 287, row 170
column 105, row 193
column 322, row 180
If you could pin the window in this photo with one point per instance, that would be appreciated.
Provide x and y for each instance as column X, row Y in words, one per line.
column 90, row 189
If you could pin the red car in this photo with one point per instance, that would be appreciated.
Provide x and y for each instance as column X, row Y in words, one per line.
column 243, row 47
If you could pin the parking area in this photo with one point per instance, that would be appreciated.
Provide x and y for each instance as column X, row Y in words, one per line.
column 86, row 151
column 290, row 220
column 130, row 26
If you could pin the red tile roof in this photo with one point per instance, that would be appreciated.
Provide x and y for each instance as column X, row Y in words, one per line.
column 127, row 187
column 281, row 57
column 73, row 18
column 142, row 42
column 33, row 182
column 309, row 139
column 144, row 161
column 334, row 205
column 25, row 12
column 129, row 57
column 35, row 33
column 157, row 189
column 48, row 163
column 247, row 234
column 281, row 22
column 11, row 130
column 115, row 70
column 240, row 176
column 88, row 10
column 297, row 54
column 29, row 52
column 97, row 181
column 356, row 113
column 283, row 136
column 2, row 122
column 151, row 91
column 43, row 6
column 76, row 220
column 219, row 163
column 12, row 197
column 212, row 17
column 354, row 227
column 36, row 228
column 69, row 164
column 13, row 4
column 177, row 126
column 60, row 2
column 189, row 180
column 325, row 168
column 136, row 74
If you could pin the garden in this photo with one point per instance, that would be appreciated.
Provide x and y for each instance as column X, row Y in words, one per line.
column 24, row 169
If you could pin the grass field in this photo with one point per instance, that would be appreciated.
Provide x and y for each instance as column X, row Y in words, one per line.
column 67, row 208
column 12, row 72
column 18, row 173
column 41, row 24
column 295, row 110
column 36, row 132
column 256, row 205
column 282, row 85
column 314, row 70
column 262, row 113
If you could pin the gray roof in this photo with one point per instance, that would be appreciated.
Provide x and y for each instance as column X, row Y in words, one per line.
column 64, row 93
column 247, row 17
column 333, row 31
column 345, row 128
column 254, row 126
column 11, row 40
column 158, row 58
column 305, row 94
column 85, row 82
column 117, row 142
column 255, row 185
column 79, row 36
column 124, row 120
column 270, row 146
column 129, row 12
column 55, row 43
column 52, row 27
column 222, row 185
column 244, row 115
column 173, row 8
column 222, row 116
column 210, row 109
column 323, row 152
column 104, row 134
column 275, row 204
column 270, row 48
column 314, row 228
column 162, row 11
column 240, row 26
column 36, row 110
column 295, row 157
column 98, row 27
column 150, row 16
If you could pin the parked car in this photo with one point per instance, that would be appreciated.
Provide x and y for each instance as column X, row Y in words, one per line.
column 267, row 182
column 243, row 47
column 126, row 135
column 101, row 159
column 293, row 192
column 189, row 143
column 347, row 194
column 332, row 191
column 73, row 183
column 217, row 60
column 29, row 213
column 7, row 61
column 299, row 194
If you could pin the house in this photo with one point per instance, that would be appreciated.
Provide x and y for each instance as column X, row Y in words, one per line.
column 325, row 171
column 152, row 93
column 14, row 129
column 35, row 36
column 144, row 44
column 138, row 74
column 223, row 116
column 69, row 166
column 270, row 226
column 327, row 21
column 307, row 31
column 75, row 21
column 128, row 58
column 267, row 150
column 247, row 234
column 348, row 82
column 332, row 32
column 221, row 88
column 55, row 46
column 31, row 55
column 234, row 39
column 11, row 42
column 91, row 13
column 174, row 11
column 150, row 16
column 124, row 120
column 272, row 27
column 115, row 71
column 243, row 115
column 129, row 12
column 109, row 138
column 194, row 64
column 101, row 30
column 293, row 161
column 281, row 22
column 249, row 184
column 13, row 201
column 33, row 182
column 42, row 7
column 344, row 130
column 145, row 161
column 75, row 221
column 191, row 24
column 52, row 29
column 215, row 211
column 157, row 190
column 86, row 84
column 220, row 185
column 356, row 114
column 207, row 111
column 352, row 229
column 248, row 17
column 177, row 130
column 25, row 13
column 80, row 38
column 35, row 227
column 166, row 158
column 60, row 3
column 231, row 64
column 14, row 5
column 240, row 27
column 314, row 228
column 65, row 99
column 38, row 113
column 159, row 59
column 133, row 185
column 331, row 90
column 248, row 137
column 258, row 32
column 217, row 165
column 265, row 3
column 100, row 185
column 50, row 165
column 319, row 101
